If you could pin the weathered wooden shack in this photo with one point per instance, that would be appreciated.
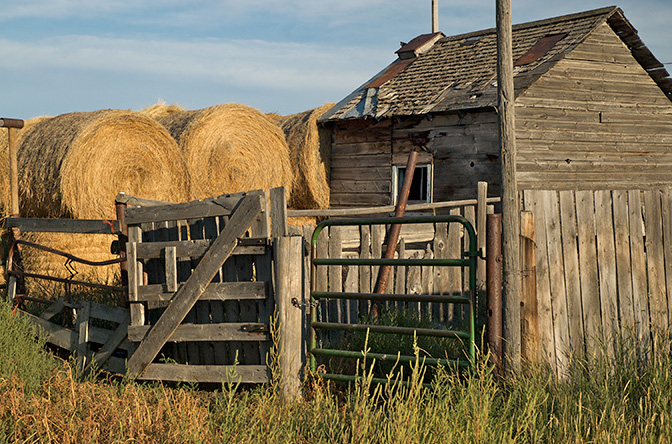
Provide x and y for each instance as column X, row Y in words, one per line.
column 592, row 105
column 593, row 130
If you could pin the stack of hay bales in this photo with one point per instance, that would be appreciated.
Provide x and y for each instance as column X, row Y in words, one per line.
column 230, row 148
column 73, row 166
column 310, row 147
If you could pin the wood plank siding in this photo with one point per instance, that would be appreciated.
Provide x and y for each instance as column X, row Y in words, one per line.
column 463, row 149
column 596, row 120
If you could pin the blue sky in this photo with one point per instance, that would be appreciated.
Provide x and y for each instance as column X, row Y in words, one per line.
column 282, row 56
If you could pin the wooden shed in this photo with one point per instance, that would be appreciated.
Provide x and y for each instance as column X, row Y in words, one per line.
column 592, row 105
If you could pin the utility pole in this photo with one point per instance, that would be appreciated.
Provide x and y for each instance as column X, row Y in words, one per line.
column 510, row 211
column 435, row 16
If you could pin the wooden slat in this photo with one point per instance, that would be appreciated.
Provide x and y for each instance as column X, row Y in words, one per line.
column 533, row 202
column 640, row 297
column 53, row 309
column 264, row 275
column 171, row 269
column 557, row 280
column 400, row 281
column 365, row 271
column 606, row 260
column 220, row 206
column 196, row 248
column 623, row 263
column 667, row 247
column 59, row 336
column 104, row 353
column 655, row 261
column 247, row 374
column 77, row 226
column 215, row 291
column 207, row 332
column 529, row 312
column 335, row 307
column 83, row 316
column 590, row 300
column 248, row 309
column 570, row 254
column 107, row 313
column 184, row 300
column 278, row 209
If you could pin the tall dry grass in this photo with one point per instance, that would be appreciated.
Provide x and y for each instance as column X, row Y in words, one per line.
column 627, row 400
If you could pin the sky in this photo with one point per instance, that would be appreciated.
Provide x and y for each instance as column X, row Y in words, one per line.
column 283, row 56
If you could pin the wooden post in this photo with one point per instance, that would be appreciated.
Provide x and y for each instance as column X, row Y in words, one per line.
column 510, row 212
column 288, row 270
column 12, row 125
column 530, row 319
column 494, row 289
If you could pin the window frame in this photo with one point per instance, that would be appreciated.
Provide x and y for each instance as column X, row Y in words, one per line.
column 429, row 182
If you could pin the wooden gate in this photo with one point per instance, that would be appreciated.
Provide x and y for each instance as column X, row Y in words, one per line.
column 200, row 290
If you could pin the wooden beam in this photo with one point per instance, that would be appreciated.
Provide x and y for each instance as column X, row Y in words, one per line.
column 246, row 212
column 81, row 226
column 220, row 206
column 251, row 331
column 510, row 211
column 247, row 374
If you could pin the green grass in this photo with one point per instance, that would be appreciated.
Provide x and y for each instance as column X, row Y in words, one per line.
column 22, row 352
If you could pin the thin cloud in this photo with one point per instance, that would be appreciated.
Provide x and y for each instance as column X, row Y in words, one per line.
column 237, row 62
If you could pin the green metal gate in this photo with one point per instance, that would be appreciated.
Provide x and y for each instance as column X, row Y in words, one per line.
column 467, row 259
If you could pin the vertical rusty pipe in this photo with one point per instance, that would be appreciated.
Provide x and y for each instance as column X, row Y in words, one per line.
column 120, row 209
column 395, row 230
column 493, row 279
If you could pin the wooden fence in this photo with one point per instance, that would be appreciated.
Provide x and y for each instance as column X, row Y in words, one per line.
column 603, row 270
column 200, row 289
column 430, row 241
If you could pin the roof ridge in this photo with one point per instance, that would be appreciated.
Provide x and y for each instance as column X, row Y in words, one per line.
column 606, row 11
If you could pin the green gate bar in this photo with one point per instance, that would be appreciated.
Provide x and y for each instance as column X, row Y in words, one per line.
column 470, row 261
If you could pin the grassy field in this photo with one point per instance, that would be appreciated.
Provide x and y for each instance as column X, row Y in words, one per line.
column 619, row 401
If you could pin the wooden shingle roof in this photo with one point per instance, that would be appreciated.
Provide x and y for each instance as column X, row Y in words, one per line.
column 459, row 72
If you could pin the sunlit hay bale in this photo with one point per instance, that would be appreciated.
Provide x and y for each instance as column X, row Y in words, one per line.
column 229, row 149
column 74, row 165
column 91, row 247
column 4, row 161
column 160, row 109
column 310, row 147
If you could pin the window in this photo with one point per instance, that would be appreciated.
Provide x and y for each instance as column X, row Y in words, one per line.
column 421, row 187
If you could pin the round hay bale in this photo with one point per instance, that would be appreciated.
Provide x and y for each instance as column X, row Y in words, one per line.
column 74, row 165
column 229, row 149
column 4, row 160
column 160, row 110
column 310, row 147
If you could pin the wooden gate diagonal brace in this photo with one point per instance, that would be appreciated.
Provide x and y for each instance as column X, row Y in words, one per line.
column 188, row 294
